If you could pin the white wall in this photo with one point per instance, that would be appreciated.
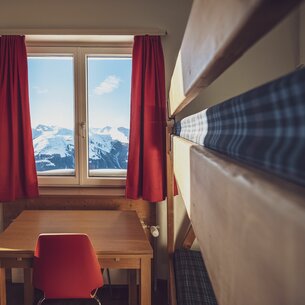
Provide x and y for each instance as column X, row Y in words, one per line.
column 162, row 266
column 50, row 15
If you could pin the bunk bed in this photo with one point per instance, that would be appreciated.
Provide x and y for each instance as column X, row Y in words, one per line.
column 246, row 203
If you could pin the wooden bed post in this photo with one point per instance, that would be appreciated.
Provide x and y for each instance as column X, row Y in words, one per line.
column 170, row 189
column 170, row 214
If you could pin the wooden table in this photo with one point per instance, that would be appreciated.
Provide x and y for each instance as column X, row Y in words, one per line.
column 117, row 236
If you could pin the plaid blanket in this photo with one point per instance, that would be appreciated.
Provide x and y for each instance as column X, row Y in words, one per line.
column 264, row 127
column 193, row 285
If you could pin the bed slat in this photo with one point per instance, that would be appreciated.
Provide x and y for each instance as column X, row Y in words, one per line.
column 189, row 238
column 218, row 33
column 251, row 229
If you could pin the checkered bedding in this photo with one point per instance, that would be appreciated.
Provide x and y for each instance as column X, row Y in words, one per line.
column 264, row 127
column 193, row 286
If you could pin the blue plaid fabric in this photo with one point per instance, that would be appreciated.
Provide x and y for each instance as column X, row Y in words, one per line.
column 264, row 127
column 193, row 286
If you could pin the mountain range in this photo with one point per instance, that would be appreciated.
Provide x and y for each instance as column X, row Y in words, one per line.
column 54, row 148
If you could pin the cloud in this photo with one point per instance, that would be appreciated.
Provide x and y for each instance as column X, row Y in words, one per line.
column 40, row 90
column 108, row 85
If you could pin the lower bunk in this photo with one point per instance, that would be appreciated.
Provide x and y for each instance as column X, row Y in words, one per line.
column 193, row 286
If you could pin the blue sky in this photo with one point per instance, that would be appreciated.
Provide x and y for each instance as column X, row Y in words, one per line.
column 52, row 93
column 109, row 91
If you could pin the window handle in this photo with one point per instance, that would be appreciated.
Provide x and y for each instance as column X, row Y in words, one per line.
column 83, row 129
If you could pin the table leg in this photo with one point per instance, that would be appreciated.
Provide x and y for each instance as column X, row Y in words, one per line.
column 145, row 282
column 2, row 287
column 28, row 287
column 132, row 286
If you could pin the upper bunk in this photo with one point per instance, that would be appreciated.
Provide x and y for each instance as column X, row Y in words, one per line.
column 247, row 211
column 217, row 34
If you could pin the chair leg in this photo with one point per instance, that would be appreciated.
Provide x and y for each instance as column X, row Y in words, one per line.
column 109, row 281
column 97, row 300
column 41, row 300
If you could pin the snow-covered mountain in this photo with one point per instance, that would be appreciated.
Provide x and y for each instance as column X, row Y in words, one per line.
column 54, row 148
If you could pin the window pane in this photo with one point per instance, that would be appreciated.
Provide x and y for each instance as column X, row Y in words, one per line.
column 51, row 83
column 108, row 115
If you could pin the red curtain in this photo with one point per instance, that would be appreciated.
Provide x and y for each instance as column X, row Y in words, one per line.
column 18, row 178
column 146, row 173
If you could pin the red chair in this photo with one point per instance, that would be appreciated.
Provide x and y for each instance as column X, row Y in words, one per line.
column 66, row 267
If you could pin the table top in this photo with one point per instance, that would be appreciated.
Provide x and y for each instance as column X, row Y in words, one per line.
column 111, row 232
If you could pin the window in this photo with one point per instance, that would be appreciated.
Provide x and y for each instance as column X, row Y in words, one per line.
column 51, row 80
column 108, row 86
column 80, row 101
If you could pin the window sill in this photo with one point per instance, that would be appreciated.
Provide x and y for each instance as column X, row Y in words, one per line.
column 47, row 191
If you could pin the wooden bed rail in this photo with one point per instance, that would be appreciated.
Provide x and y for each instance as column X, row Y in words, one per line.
column 251, row 231
column 217, row 34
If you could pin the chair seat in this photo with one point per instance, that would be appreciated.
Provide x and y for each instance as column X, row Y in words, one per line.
column 66, row 267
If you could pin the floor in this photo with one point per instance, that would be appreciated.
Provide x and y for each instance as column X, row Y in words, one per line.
column 119, row 296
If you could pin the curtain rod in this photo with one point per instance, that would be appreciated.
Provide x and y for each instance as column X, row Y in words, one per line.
column 131, row 31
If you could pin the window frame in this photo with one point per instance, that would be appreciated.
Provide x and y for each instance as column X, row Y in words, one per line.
column 80, row 54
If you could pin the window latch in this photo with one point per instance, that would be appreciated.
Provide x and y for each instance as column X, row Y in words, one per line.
column 83, row 129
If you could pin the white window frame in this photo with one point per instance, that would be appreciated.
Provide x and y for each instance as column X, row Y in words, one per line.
column 80, row 54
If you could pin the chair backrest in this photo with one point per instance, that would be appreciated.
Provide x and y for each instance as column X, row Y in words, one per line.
column 66, row 266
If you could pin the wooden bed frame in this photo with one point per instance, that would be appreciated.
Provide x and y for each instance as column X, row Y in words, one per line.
column 251, row 230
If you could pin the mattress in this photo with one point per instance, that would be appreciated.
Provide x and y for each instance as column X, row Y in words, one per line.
column 264, row 127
